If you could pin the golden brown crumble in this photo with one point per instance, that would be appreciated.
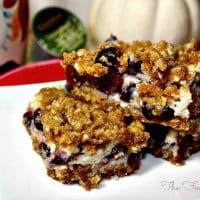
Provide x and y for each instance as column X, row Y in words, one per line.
column 67, row 120
column 167, row 73
column 87, row 176
column 162, row 61
column 92, row 96
column 84, row 63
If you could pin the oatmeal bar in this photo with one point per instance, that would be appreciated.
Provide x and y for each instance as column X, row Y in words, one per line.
column 159, row 80
column 172, row 145
column 164, row 142
column 83, row 142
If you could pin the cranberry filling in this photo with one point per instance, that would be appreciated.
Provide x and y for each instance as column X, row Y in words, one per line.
column 110, row 83
column 72, row 76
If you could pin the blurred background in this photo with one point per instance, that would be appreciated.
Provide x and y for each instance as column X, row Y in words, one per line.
column 35, row 30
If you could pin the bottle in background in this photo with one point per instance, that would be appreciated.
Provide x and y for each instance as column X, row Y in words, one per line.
column 14, row 16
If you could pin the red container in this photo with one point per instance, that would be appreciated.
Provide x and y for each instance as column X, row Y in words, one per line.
column 40, row 72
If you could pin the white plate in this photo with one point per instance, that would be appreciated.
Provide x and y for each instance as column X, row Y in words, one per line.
column 23, row 175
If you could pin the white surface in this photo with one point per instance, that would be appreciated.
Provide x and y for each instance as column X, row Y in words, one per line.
column 23, row 175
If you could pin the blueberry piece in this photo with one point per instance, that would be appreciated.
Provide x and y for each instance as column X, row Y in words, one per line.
column 126, row 95
column 108, row 57
column 37, row 121
column 57, row 161
column 157, row 134
column 166, row 114
column 111, row 38
column 46, row 150
column 128, row 119
column 147, row 112
column 112, row 81
column 28, row 117
column 134, row 67
column 68, row 88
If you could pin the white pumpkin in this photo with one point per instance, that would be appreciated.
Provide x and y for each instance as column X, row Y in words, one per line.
column 176, row 21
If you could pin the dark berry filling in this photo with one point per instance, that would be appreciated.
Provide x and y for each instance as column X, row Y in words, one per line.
column 134, row 67
column 184, row 143
column 37, row 120
column 57, row 160
column 28, row 118
column 72, row 76
column 157, row 134
column 128, row 119
column 110, row 83
column 116, row 151
column 147, row 111
column 134, row 160
column 194, row 106
column 108, row 57
column 45, row 149
column 68, row 88
column 126, row 95
column 166, row 114
column 118, row 148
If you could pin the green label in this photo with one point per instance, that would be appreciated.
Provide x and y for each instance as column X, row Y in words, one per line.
column 66, row 37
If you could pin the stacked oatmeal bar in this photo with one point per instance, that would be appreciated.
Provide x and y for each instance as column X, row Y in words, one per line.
column 159, row 83
column 121, row 101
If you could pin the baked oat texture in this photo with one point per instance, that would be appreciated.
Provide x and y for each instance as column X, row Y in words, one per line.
column 165, row 77
column 89, row 119
column 165, row 142
column 73, row 125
